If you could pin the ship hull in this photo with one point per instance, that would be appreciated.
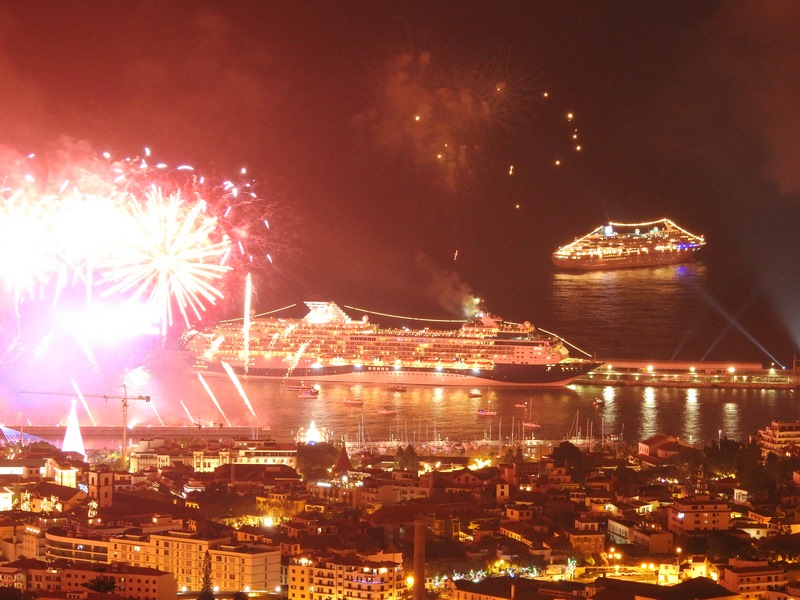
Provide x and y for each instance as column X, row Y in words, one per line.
column 599, row 263
column 546, row 375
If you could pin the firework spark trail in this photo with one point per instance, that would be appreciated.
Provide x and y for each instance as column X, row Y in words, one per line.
column 188, row 414
column 239, row 387
column 170, row 254
column 213, row 398
column 83, row 400
column 246, row 325
column 87, row 351
column 76, row 222
column 158, row 416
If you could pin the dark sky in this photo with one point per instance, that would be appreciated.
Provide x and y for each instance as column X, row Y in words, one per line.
column 683, row 109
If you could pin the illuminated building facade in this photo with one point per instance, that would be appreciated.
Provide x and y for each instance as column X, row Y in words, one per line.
column 698, row 515
column 778, row 437
column 751, row 579
column 234, row 567
column 142, row 583
column 337, row 577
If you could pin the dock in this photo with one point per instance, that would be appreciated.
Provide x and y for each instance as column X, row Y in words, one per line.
column 111, row 436
column 732, row 374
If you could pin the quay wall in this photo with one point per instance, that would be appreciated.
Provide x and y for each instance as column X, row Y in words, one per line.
column 732, row 374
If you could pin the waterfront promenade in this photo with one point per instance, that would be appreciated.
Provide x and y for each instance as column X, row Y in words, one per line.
column 729, row 374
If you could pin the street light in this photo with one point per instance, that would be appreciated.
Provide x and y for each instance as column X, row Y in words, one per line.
column 615, row 556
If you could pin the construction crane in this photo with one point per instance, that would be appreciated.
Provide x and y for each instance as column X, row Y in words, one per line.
column 124, row 399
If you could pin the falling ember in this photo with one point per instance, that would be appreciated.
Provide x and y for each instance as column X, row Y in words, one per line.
column 511, row 170
column 188, row 414
column 213, row 398
column 239, row 387
column 578, row 148
column 158, row 416
column 558, row 163
column 545, row 95
column 455, row 256
column 83, row 400
column 570, row 116
column 248, row 292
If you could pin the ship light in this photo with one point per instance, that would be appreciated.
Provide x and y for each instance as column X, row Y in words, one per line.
column 316, row 365
column 438, row 367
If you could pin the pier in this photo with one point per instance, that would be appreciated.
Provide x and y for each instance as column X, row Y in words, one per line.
column 95, row 437
column 730, row 374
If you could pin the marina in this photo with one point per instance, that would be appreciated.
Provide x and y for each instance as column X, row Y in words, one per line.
column 447, row 415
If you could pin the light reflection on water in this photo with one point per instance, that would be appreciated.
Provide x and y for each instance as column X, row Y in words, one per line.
column 691, row 415
column 450, row 413
column 639, row 313
column 636, row 313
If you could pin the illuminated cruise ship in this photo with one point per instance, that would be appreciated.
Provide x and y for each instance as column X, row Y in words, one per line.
column 327, row 345
column 621, row 245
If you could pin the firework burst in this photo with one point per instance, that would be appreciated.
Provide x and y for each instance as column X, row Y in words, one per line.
column 83, row 230
column 170, row 253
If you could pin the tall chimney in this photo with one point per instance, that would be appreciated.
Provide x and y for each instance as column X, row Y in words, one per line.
column 420, row 528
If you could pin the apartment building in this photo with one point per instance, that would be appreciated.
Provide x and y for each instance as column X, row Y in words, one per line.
column 698, row 515
column 234, row 566
column 751, row 578
column 322, row 578
column 778, row 437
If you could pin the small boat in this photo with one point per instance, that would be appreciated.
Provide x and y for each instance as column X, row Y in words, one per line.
column 354, row 402
column 299, row 387
column 475, row 394
column 397, row 388
column 387, row 410
column 518, row 405
column 308, row 393
column 488, row 411
column 598, row 402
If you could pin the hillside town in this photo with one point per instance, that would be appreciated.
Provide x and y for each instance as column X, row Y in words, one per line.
column 232, row 518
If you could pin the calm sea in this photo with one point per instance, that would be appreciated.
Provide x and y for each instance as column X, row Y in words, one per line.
column 667, row 312
column 659, row 313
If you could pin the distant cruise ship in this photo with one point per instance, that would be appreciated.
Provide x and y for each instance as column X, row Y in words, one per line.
column 327, row 345
column 621, row 245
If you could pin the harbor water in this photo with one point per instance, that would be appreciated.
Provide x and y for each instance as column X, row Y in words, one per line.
column 670, row 312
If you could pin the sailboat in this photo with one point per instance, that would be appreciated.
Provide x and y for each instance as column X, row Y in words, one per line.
column 529, row 423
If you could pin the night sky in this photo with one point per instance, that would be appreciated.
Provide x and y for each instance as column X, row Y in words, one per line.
column 683, row 109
